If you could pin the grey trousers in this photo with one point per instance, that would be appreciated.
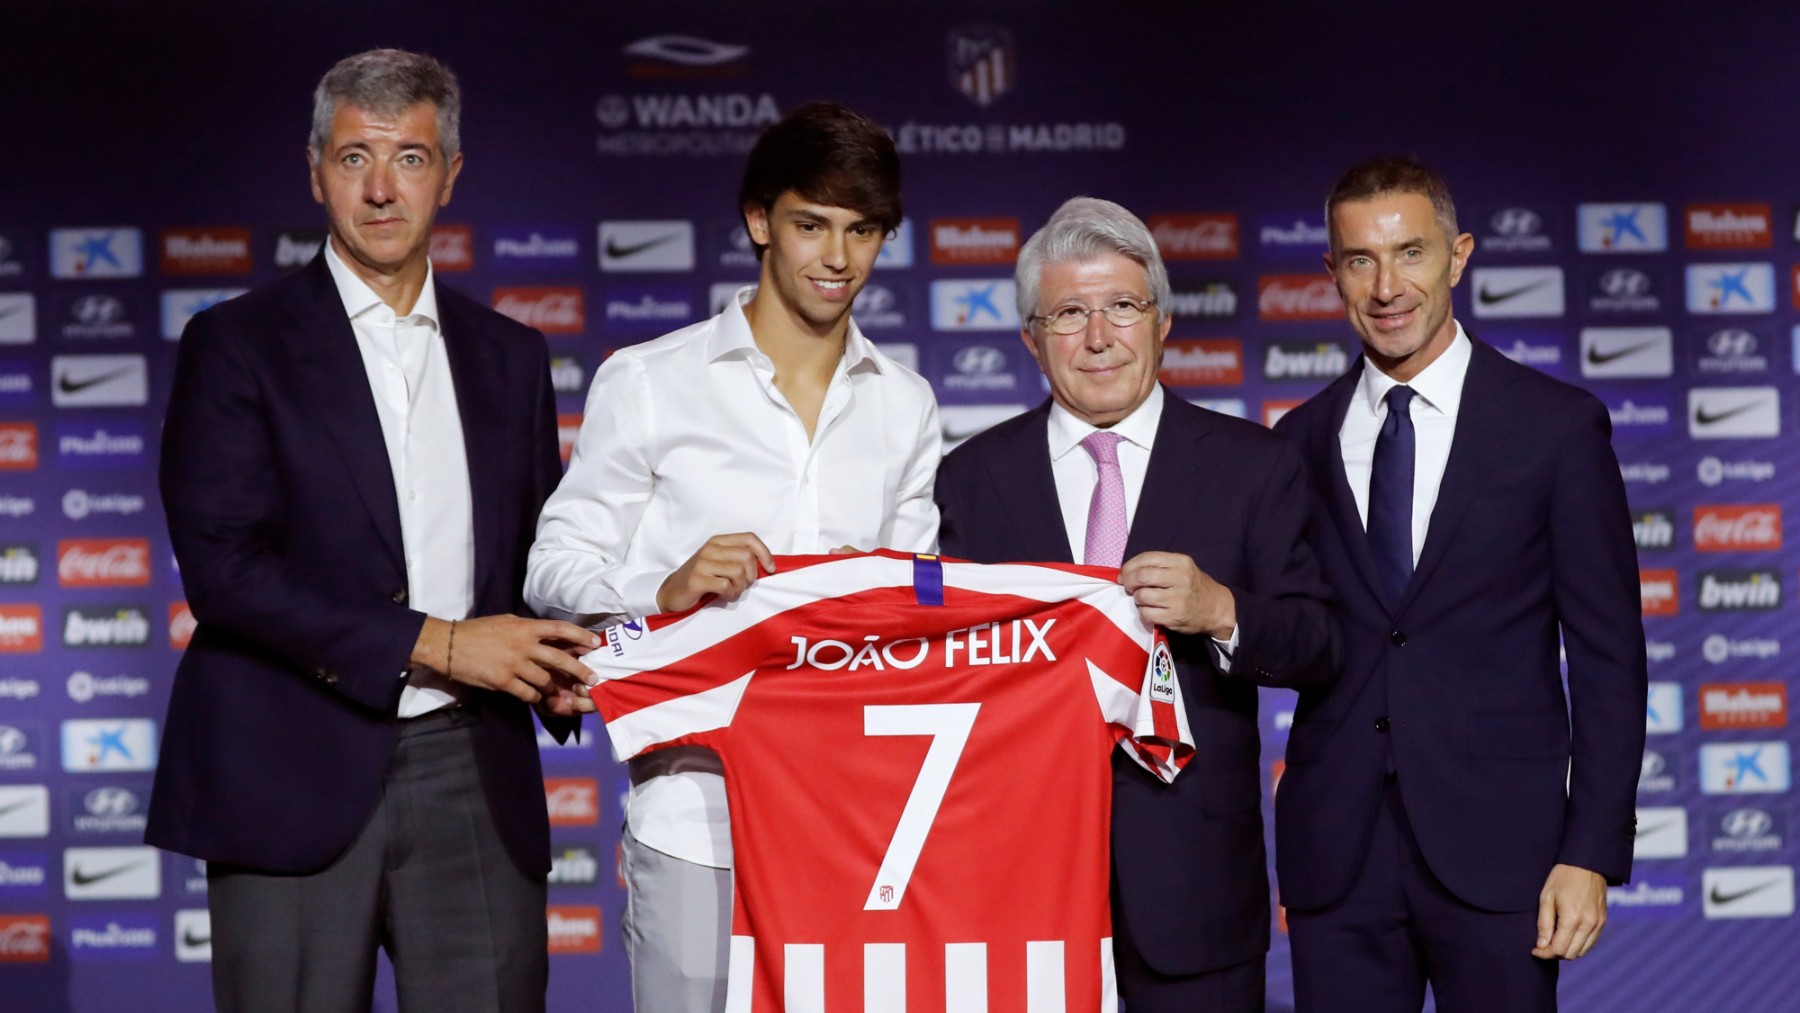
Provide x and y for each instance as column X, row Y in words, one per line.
column 677, row 931
column 427, row 879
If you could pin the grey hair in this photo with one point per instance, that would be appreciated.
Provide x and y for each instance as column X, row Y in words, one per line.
column 1081, row 230
column 388, row 82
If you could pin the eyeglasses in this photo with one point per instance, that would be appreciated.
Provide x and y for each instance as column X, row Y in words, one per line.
column 1121, row 312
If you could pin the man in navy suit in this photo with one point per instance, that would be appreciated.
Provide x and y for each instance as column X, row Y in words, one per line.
column 352, row 467
column 1448, row 814
column 1205, row 513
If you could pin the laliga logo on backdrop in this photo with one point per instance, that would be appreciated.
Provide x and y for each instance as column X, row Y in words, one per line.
column 982, row 63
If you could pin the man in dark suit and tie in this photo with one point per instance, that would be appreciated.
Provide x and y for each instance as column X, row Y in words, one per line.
column 352, row 467
column 1448, row 813
column 1205, row 512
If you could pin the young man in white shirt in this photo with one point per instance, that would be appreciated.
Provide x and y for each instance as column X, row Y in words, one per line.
column 775, row 427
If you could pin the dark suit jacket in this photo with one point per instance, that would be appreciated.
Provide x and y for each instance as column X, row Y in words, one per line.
column 1530, row 535
column 283, row 517
column 1188, row 857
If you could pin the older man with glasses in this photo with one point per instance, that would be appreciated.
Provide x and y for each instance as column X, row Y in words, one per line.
column 1203, row 514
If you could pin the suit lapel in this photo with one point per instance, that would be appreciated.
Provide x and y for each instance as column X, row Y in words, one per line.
column 1176, row 480
column 1482, row 423
column 478, row 373
column 1341, row 499
column 330, row 372
column 1027, row 492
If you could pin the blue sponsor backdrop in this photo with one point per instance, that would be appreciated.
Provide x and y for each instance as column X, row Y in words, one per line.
column 1628, row 175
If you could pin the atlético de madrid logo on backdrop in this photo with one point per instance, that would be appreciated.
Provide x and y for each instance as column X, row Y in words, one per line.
column 982, row 63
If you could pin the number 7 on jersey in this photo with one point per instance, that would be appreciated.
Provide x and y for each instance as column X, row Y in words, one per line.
column 949, row 725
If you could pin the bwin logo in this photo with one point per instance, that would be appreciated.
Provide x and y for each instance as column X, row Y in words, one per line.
column 979, row 360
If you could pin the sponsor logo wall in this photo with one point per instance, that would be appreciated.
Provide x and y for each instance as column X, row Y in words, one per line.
column 1679, row 310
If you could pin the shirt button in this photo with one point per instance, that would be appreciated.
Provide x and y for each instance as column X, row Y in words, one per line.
column 1381, row 724
column 1397, row 638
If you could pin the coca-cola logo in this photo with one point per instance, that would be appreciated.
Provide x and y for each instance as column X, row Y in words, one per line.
column 551, row 310
column 1743, row 527
column 452, row 248
column 24, row 939
column 1195, row 236
column 103, row 562
column 572, row 801
column 1297, row 297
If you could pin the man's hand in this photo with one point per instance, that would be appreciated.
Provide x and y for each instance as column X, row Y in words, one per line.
column 1174, row 593
column 726, row 566
column 564, row 701
column 1571, row 913
column 529, row 658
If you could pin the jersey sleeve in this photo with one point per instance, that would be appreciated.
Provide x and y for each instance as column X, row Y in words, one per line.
column 652, row 693
column 1148, row 712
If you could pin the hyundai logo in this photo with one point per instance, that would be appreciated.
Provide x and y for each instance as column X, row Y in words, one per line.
column 97, row 309
column 1742, row 823
column 1731, row 343
column 110, row 802
column 1517, row 222
column 980, row 359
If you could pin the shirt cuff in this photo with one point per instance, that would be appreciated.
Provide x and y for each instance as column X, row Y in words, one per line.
column 1224, row 649
column 638, row 594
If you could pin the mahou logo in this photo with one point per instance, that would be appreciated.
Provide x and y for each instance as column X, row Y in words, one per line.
column 1203, row 362
column 573, row 928
column 103, row 562
column 978, row 241
column 551, row 310
column 1658, row 590
column 24, row 939
column 21, row 628
column 1729, row 226
column 452, row 248
column 206, row 251
column 1749, row 527
column 1297, row 297
column 1726, row 706
column 181, row 625
column 1195, row 236
column 573, row 801
column 18, row 446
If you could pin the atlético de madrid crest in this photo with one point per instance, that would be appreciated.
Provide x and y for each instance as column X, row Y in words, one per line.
column 982, row 62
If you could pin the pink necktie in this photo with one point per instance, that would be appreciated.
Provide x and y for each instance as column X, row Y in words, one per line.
column 1106, row 510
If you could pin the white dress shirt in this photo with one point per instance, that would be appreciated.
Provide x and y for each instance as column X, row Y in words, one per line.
column 1076, row 473
column 415, row 398
column 1439, row 389
column 686, row 437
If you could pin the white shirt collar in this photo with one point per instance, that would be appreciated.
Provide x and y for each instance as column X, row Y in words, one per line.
column 1139, row 428
column 359, row 298
column 1439, row 385
column 733, row 335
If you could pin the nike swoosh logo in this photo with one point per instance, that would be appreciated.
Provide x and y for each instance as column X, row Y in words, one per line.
column 1653, row 828
column 1489, row 297
column 1598, row 358
column 615, row 250
column 1725, row 898
column 16, row 806
column 68, row 386
column 81, row 877
column 189, row 939
column 14, row 309
column 1705, row 418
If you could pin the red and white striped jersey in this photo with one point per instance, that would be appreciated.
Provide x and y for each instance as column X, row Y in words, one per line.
column 916, row 756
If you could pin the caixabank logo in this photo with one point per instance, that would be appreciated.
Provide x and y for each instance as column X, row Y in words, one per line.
column 1744, row 768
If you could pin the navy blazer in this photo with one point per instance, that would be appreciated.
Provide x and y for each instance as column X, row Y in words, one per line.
column 283, row 517
column 1501, row 774
column 1188, row 859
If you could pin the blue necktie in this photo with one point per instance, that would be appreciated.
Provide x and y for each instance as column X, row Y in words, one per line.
column 1391, row 496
